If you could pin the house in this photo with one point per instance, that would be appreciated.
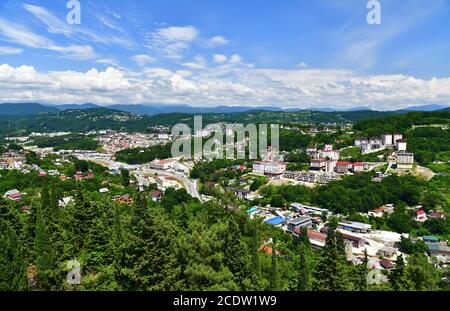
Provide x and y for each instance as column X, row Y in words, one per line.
column 386, row 251
column 343, row 167
column 330, row 154
column 103, row 190
column 317, row 239
column 165, row 182
column 123, row 199
column 421, row 216
column 386, row 264
column 318, row 164
column 387, row 139
column 378, row 212
column 156, row 195
column 241, row 193
column 439, row 249
column 401, row 144
column 430, row 239
column 299, row 222
column 358, row 167
column 162, row 164
column 355, row 226
column 354, row 241
column 433, row 214
column 90, row 175
column 14, row 195
column 268, row 250
column 65, row 201
column 361, row 141
column 42, row 174
column 25, row 209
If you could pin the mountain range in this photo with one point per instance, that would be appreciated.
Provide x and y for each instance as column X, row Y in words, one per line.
column 35, row 108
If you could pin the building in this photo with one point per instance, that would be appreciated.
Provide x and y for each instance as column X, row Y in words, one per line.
column 162, row 164
column 358, row 167
column 275, row 221
column 318, row 164
column 387, row 251
column 421, row 216
column 330, row 154
column 355, row 226
column 343, row 167
column 165, row 182
column 299, row 222
column 361, row 141
column 434, row 214
column 386, row 264
column 386, row 139
column 65, row 201
column 405, row 160
column 397, row 136
column 375, row 142
column 401, row 145
column 269, row 168
column 156, row 195
column 14, row 195
column 123, row 199
column 330, row 166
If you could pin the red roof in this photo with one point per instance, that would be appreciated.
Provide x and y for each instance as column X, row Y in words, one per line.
column 314, row 235
column 343, row 163
column 420, row 212
column 15, row 195
column 155, row 193
column 358, row 164
column 436, row 214
column 386, row 264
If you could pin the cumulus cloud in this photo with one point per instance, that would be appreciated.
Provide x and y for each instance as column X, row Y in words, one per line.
column 218, row 41
column 300, row 88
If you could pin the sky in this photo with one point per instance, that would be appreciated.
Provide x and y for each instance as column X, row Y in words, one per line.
column 290, row 53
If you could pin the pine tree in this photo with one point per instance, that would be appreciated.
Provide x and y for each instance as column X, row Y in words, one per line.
column 274, row 277
column 236, row 253
column 12, row 265
column 330, row 272
column 46, row 260
column 303, row 272
column 398, row 277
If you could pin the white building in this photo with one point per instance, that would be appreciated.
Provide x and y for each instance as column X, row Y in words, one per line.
column 387, row 139
column 270, row 168
column 401, row 145
column 405, row 160
column 397, row 136
column 162, row 164
column 361, row 141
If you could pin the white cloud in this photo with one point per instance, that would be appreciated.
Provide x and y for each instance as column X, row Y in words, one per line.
column 198, row 63
column 302, row 65
column 108, row 61
column 6, row 50
column 235, row 59
column 218, row 41
column 18, row 34
column 143, row 59
column 57, row 26
column 173, row 41
column 300, row 88
column 220, row 58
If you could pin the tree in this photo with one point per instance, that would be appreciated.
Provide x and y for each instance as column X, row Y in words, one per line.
column 398, row 277
column 274, row 277
column 330, row 273
column 12, row 265
column 303, row 272
column 125, row 177
column 236, row 253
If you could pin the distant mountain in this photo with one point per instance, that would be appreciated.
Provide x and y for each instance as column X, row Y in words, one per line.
column 25, row 109
column 160, row 109
column 76, row 106
column 426, row 108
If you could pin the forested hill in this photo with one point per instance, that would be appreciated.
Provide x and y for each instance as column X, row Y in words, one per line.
column 104, row 118
column 402, row 122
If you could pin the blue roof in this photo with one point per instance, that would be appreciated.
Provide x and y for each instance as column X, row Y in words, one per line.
column 253, row 209
column 431, row 238
column 275, row 221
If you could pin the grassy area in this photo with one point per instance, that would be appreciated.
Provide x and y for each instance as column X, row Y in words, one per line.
column 439, row 168
column 352, row 152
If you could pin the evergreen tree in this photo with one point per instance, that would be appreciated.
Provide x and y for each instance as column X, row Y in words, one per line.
column 303, row 272
column 12, row 265
column 330, row 272
column 274, row 277
column 398, row 277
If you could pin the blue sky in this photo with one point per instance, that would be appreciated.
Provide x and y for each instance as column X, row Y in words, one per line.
column 290, row 53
